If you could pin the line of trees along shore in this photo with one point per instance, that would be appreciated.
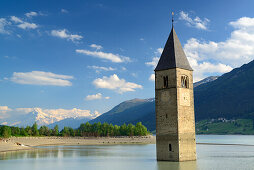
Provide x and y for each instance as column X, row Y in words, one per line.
column 85, row 130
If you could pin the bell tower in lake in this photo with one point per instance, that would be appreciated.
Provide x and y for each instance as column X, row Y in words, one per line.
column 175, row 122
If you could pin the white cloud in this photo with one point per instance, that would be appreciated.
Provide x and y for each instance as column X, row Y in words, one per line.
column 96, row 114
column 196, row 22
column 97, row 47
column 27, row 25
column 41, row 78
column 65, row 35
column 159, row 51
column 94, row 96
column 99, row 68
column 3, row 24
column 115, row 83
column 97, row 96
column 134, row 75
column 203, row 69
column 64, row 11
column 108, row 56
column 31, row 14
column 244, row 22
column 16, row 19
column 142, row 39
column 154, row 62
column 25, row 110
column 22, row 24
column 220, row 57
column 4, row 109
column 152, row 77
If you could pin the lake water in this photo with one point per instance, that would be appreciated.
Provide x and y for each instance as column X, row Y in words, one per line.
column 135, row 157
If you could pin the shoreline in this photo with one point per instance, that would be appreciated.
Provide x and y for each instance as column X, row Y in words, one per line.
column 29, row 143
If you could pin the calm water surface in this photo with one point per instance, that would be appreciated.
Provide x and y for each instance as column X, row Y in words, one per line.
column 132, row 157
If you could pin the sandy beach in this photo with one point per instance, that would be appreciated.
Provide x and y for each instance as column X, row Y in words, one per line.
column 25, row 143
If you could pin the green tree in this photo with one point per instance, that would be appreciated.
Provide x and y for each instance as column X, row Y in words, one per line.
column 72, row 132
column 116, row 130
column 111, row 131
column 65, row 132
column 42, row 130
column 6, row 131
column 56, row 131
column 35, row 131
column 130, row 129
column 23, row 132
column 140, row 130
column 105, row 129
column 99, row 131
column 28, row 131
column 123, row 130
column 15, row 131
column 82, row 128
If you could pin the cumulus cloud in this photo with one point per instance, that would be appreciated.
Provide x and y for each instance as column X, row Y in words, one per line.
column 155, row 59
column 96, row 97
column 3, row 24
column 236, row 50
column 64, row 11
column 4, row 109
column 96, row 114
column 204, row 69
column 116, row 58
column 99, row 68
column 41, row 78
column 113, row 82
column 196, row 22
column 24, row 110
column 27, row 25
column 22, row 24
column 16, row 19
column 154, row 62
column 152, row 77
column 159, row 51
column 65, row 35
column 31, row 14
column 97, row 47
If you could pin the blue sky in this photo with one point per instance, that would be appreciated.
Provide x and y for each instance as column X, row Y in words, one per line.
column 92, row 55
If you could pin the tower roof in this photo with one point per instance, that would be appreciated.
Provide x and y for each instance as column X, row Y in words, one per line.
column 173, row 55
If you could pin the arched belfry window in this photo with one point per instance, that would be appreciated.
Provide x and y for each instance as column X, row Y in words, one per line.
column 184, row 81
column 165, row 80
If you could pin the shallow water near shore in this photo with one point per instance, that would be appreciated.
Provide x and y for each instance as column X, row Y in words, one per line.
column 132, row 157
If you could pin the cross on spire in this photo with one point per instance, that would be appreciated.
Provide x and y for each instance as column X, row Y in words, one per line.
column 172, row 19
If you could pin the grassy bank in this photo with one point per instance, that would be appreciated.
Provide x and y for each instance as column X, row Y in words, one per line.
column 225, row 127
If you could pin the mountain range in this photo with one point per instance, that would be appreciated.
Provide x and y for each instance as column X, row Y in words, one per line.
column 137, row 110
column 229, row 96
column 27, row 116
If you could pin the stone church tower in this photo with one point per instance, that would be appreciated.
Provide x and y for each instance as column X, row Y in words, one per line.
column 175, row 122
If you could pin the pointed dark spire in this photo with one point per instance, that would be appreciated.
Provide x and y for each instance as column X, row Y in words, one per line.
column 173, row 55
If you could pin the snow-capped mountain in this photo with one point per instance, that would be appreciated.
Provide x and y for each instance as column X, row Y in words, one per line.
column 27, row 116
